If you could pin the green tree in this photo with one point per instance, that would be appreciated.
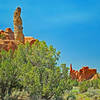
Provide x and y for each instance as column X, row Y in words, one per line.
column 34, row 69
column 83, row 87
column 96, row 83
column 71, row 97
column 9, row 73
column 74, row 83
column 41, row 75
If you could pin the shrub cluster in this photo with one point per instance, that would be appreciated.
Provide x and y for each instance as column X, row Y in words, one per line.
column 2, row 36
column 88, row 84
column 33, row 69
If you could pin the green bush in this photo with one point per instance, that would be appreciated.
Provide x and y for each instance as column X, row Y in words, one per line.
column 75, row 83
column 33, row 69
column 90, row 94
column 83, row 87
column 59, row 98
column 2, row 36
column 96, row 83
column 71, row 97
column 75, row 92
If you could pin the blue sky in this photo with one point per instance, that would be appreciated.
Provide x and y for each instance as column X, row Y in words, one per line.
column 71, row 26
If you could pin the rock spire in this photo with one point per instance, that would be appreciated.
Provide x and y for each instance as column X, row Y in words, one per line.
column 18, row 28
column 11, row 40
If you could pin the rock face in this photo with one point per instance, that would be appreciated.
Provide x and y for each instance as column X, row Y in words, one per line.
column 7, row 40
column 30, row 40
column 95, row 77
column 10, row 39
column 18, row 28
column 7, row 34
column 83, row 74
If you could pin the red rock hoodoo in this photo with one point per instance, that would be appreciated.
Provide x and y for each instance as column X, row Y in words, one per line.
column 83, row 74
column 10, row 39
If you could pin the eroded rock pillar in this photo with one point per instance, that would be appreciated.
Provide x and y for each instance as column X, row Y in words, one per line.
column 18, row 28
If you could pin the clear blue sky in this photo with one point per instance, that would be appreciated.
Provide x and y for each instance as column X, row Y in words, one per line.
column 71, row 26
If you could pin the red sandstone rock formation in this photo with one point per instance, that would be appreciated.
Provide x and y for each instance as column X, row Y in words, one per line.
column 18, row 27
column 96, row 76
column 83, row 74
column 7, row 40
column 30, row 40
column 10, row 39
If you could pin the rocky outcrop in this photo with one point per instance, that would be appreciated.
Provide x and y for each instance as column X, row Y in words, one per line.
column 7, row 40
column 30, row 40
column 83, row 74
column 10, row 39
column 18, row 28
column 7, row 45
column 95, row 77
column 7, row 34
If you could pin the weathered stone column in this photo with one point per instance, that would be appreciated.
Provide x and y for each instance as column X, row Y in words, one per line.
column 18, row 28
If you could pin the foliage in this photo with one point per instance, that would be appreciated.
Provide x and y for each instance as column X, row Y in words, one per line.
column 90, row 94
column 34, row 69
column 41, row 76
column 83, row 87
column 59, row 98
column 96, row 83
column 71, row 97
column 74, row 83
column 91, row 83
column 2, row 36
column 9, row 73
